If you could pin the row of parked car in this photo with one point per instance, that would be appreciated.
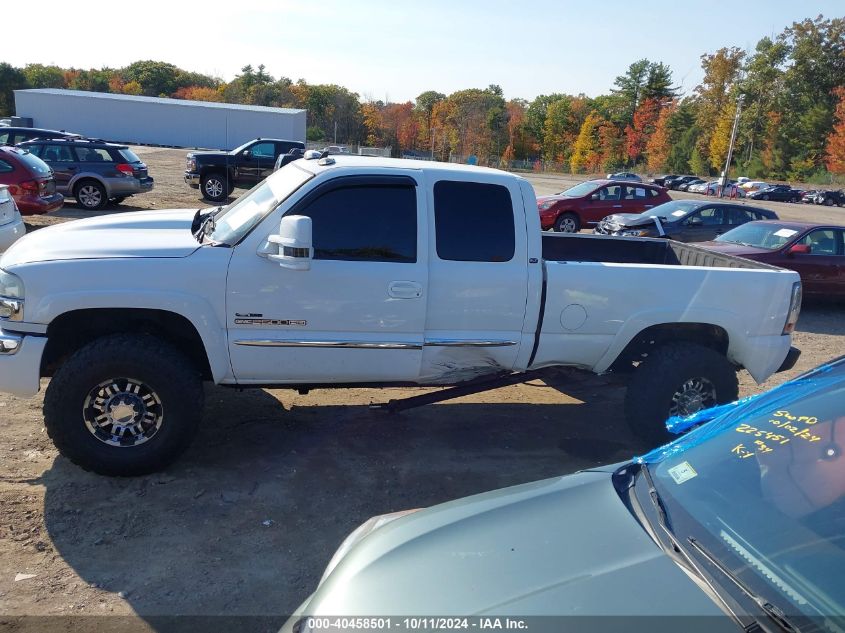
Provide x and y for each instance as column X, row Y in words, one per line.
column 632, row 209
column 66, row 165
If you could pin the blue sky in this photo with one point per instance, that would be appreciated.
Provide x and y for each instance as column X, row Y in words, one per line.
column 395, row 50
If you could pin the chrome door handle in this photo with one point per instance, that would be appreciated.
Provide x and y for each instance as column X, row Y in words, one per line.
column 617, row 206
column 405, row 290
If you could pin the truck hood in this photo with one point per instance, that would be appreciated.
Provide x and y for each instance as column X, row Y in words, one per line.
column 137, row 234
column 211, row 152
column 565, row 546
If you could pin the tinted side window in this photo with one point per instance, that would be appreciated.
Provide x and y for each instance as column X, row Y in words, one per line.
column 56, row 154
column 4, row 137
column 474, row 222
column 263, row 150
column 93, row 154
column 740, row 216
column 822, row 242
column 365, row 223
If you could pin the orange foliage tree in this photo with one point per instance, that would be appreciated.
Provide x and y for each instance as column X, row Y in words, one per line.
column 659, row 144
column 835, row 152
column 645, row 118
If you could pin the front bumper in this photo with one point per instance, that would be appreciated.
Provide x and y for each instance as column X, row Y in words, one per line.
column 20, row 363
column 192, row 179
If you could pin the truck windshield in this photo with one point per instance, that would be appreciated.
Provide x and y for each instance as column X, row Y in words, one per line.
column 243, row 214
column 763, row 488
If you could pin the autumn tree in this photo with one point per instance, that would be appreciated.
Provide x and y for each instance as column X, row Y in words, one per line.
column 41, row 76
column 835, row 151
column 721, row 71
column 637, row 135
column 659, row 144
column 720, row 140
column 585, row 152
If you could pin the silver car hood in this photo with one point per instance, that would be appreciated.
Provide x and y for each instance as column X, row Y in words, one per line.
column 564, row 546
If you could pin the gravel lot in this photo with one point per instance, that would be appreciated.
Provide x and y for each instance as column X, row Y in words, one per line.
column 245, row 522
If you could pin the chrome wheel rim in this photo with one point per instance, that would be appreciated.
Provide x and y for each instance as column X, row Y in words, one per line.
column 567, row 225
column 123, row 412
column 693, row 396
column 90, row 196
column 214, row 188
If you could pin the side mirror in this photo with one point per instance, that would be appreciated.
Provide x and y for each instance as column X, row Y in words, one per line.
column 595, row 196
column 800, row 249
column 245, row 153
column 696, row 221
column 295, row 250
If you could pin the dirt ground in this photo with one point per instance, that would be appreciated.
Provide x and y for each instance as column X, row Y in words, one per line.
column 244, row 524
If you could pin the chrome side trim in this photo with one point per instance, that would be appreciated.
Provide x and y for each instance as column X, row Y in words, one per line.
column 375, row 344
column 329, row 344
column 445, row 342
column 10, row 344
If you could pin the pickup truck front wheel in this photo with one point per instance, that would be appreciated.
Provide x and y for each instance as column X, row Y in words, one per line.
column 676, row 379
column 215, row 187
column 124, row 405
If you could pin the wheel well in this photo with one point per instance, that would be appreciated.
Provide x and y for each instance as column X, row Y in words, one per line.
column 704, row 334
column 85, row 179
column 72, row 330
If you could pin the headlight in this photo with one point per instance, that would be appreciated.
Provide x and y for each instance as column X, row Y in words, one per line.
column 548, row 204
column 363, row 530
column 11, row 296
column 635, row 233
column 11, row 285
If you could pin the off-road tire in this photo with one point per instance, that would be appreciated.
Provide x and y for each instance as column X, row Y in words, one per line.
column 662, row 375
column 567, row 223
column 215, row 187
column 174, row 380
column 90, row 195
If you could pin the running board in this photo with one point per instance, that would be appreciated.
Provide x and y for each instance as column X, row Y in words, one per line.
column 476, row 385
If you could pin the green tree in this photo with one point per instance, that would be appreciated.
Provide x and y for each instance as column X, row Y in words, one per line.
column 155, row 78
column 11, row 79
column 41, row 76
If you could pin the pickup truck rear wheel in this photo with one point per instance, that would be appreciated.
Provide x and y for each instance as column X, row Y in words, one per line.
column 676, row 379
column 215, row 187
column 124, row 405
column 567, row 223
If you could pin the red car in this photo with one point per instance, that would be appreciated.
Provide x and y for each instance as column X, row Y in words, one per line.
column 588, row 203
column 30, row 181
column 814, row 251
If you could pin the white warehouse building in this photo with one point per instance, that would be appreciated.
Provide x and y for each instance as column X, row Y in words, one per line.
column 157, row 121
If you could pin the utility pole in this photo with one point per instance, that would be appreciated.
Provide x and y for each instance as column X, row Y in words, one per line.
column 731, row 146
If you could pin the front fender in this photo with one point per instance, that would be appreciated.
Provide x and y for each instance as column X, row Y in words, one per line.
column 194, row 308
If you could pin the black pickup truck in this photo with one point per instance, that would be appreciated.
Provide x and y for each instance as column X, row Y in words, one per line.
column 216, row 174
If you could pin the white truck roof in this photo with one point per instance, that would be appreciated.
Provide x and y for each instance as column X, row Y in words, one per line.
column 378, row 162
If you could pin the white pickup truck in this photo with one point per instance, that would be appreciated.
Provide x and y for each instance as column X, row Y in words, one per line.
column 342, row 271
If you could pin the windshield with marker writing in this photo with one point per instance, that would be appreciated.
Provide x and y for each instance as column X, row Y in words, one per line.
column 766, row 493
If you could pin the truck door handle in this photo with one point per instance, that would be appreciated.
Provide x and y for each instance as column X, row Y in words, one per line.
column 404, row 290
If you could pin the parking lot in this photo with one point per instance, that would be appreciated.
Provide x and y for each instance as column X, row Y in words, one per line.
column 245, row 523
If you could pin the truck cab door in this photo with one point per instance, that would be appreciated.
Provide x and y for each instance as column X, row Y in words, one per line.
column 357, row 314
column 256, row 163
column 478, row 278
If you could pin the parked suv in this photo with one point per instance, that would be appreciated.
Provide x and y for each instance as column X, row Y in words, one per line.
column 15, row 135
column 92, row 171
column 30, row 181
column 589, row 202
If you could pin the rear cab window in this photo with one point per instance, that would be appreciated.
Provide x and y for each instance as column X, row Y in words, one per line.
column 474, row 222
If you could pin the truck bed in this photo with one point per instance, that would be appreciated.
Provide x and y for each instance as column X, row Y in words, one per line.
column 636, row 250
